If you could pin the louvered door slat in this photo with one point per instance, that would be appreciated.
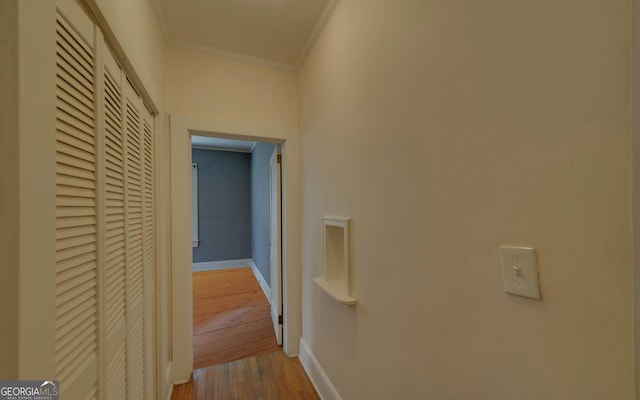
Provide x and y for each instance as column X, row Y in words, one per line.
column 68, row 263
column 86, row 167
column 69, row 96
column 83, row 53
column 66, row 81
column 71, row 222
column 74, row 101
column 72, row 141
column 74, row 151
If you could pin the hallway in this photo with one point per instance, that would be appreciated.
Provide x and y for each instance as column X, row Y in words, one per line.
column 444, row 131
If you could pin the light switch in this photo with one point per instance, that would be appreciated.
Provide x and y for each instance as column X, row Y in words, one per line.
column 520, row 271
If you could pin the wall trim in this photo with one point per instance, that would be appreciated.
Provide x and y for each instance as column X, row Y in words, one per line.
column 316, row 373
column 263, row 284
column 181, row 44
column 218, row 265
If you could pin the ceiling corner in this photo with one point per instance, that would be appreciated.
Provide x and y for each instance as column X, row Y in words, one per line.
column 325, row 16
column 157, row 11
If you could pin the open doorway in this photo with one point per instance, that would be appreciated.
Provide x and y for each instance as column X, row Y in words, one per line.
column 181, row 313
column 236, row 241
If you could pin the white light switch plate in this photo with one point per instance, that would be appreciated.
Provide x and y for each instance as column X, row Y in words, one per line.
column 520, row 271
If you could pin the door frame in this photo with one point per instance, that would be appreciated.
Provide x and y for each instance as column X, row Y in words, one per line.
column 181, row 130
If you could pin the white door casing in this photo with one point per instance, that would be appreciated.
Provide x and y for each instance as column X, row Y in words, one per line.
column 181, row 279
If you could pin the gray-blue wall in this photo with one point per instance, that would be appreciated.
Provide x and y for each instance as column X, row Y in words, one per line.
column 260, row 220
column 224, row 205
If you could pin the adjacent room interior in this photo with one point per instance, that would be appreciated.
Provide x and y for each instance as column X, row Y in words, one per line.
column 231, row 238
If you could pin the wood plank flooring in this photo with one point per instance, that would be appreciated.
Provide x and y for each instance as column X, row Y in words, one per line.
column 268, row 376
column 231, row 317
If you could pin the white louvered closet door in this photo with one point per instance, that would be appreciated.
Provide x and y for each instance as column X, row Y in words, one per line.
column 105, row 235
column 115, row 267
column 76, row 341
column 134, row 247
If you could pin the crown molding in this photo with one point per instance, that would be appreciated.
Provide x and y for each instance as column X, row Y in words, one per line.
column 326, row 14
column 321, row 22
column 180, row 44
column 155, row 5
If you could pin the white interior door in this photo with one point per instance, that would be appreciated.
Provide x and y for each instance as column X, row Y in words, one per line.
column 275, row 246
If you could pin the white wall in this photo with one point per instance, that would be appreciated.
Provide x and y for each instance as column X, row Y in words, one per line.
column 447, row 128
column 214, row 87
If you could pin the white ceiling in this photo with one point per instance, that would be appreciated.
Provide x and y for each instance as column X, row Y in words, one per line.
column 278, row 31
column 242, row 146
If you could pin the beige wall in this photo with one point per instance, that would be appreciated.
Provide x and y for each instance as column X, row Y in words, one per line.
column 9, row 198
column 219, row 88
column 445, row 129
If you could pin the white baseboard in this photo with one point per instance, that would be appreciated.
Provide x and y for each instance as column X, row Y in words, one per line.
column 168, row 371
column 318, row 377
column 217, row 265
column 263, row 284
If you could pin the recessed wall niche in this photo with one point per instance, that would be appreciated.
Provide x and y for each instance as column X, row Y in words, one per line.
column 335, row 260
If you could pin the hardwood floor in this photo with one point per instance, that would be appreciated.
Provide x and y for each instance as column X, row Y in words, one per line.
column 235, row 351
column 268, row 376
column 231, row 317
